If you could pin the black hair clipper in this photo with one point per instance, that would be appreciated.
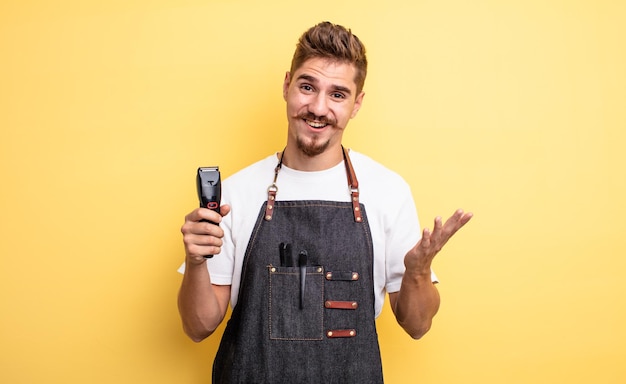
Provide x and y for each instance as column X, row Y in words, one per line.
column 209, row 189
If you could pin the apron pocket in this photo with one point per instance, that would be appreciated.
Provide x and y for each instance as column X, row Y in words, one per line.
column 289, row 319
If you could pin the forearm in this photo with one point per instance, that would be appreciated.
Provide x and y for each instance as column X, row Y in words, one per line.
column 201, row 305
column 416, row 303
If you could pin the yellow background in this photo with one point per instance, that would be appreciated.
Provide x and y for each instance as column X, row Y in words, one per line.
column 514, row 110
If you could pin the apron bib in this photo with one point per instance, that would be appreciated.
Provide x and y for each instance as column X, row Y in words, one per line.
column 305, row 312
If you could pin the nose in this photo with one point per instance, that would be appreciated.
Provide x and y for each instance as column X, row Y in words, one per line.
column 319, row 105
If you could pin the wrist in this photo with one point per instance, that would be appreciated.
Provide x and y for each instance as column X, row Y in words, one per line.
column 419, row 275
column 195, row 262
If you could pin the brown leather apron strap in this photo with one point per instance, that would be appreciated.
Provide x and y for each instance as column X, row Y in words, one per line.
column 271, row 198
column 272, row 190
column 353, row 183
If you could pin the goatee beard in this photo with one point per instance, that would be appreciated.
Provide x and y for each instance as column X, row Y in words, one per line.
column 312, row 148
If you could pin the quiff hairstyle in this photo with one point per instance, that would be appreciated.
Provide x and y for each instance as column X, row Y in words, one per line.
column 334, row 42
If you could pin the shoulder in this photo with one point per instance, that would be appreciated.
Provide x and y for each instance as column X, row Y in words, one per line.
column 385, row 194
column 262, row 170
column 249, row 185
column 371, row 173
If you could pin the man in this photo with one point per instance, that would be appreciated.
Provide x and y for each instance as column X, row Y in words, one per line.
column 309, row 240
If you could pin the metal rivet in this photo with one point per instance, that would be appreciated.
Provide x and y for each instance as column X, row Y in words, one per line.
column 319, row 269
column 327, row 304
column 329, row 275
column 268, row 217
column 330, row 333
column 354, row 304
column 358, row 219
column 352, row 333
column 273, row 269
column 355, row 276
column 357, row 208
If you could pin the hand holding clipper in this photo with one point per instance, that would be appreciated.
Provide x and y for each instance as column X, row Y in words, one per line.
column 209, row 190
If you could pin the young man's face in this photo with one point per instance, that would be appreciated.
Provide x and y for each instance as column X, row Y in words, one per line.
column 321, row 99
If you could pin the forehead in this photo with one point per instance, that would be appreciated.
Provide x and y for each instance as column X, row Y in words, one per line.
column 325, row 70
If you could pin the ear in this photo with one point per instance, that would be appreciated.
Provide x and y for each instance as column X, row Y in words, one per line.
column 286, row 85
column 357, row 104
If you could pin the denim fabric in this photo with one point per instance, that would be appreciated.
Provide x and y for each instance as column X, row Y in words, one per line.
column 270, row 338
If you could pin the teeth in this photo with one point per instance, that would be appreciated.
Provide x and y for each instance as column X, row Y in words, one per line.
column 316, row 124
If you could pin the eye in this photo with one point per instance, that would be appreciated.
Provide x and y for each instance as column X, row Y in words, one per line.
column 337, row 95
column 306, row 87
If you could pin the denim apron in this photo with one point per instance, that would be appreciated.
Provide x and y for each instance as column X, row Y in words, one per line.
column 305, row 312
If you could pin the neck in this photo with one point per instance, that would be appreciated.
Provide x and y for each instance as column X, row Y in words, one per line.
column 296, row 159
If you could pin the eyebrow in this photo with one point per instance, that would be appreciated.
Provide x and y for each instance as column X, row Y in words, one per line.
column 313, row 79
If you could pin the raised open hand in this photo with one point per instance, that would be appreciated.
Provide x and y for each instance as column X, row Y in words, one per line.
column 419, row 259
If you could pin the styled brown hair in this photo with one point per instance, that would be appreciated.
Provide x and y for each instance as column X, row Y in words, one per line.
column 334, row 42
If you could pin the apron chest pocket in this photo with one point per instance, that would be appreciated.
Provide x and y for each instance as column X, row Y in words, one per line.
column 296, row 310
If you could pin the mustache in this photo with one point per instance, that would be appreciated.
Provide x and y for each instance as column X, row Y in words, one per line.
column 313, row 117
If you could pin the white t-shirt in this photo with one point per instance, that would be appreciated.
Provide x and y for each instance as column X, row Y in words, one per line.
column 385, row 195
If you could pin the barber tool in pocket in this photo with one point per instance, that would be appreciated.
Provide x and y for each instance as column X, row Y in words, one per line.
column 287, row 260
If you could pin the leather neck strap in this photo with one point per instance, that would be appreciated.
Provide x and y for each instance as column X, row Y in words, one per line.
column 353, row 183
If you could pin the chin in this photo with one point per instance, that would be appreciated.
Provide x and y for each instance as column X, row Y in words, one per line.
column 312, row 149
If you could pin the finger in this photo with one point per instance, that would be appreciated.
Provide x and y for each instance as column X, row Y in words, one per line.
column 202, row 240
column 210, row 228
column 456, row 216
column 457, row 220
column 193, row 215
column 224, row 210
column 442, row 232
column 425, row 240
column 199, row 245
column 437, row 231
column 438, row 224
column 209, row 215
column 201, row 228
column 466, row 217
column 463, row 219
column 196, row 251
column 453, row 224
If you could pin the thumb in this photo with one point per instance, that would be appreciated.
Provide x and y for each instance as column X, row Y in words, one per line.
column 224, row 210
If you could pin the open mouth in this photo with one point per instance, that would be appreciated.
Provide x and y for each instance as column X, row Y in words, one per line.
column 316, row 124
